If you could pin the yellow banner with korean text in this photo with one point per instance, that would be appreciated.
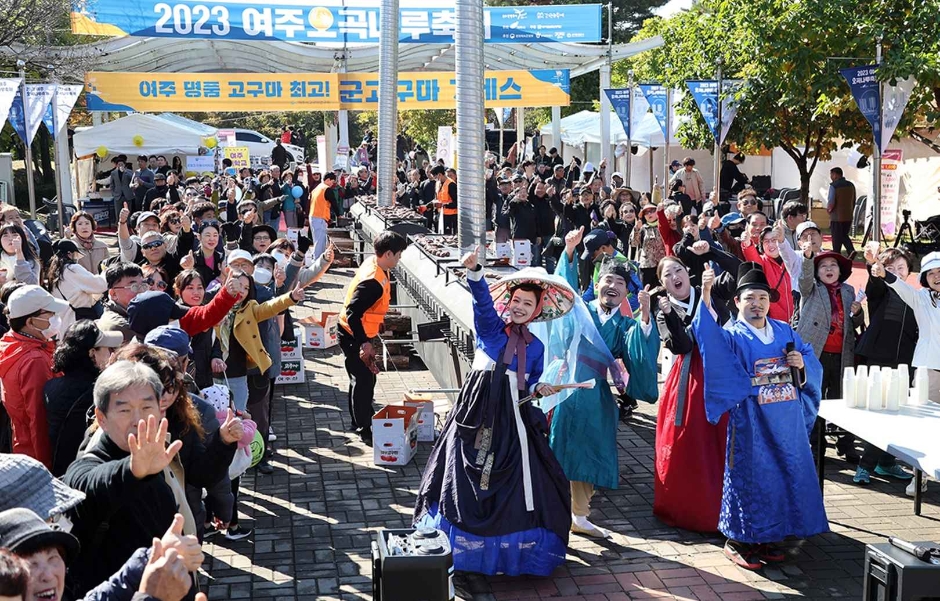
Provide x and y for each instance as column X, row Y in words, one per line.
column 198, row 92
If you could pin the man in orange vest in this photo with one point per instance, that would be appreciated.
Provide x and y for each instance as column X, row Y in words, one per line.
column 320, row 214
column 367, row 300
column 446, row 200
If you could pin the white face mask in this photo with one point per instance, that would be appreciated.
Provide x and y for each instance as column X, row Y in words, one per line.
column 55, row 324
column 263, row 276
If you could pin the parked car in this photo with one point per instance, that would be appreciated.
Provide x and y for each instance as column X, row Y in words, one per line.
column 260, row 147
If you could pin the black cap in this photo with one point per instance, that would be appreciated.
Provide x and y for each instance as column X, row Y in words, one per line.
column 24, row 533
column 64, row 247
column 518, row 177
column 593, row 242
column 158, row 175
column 751, row 276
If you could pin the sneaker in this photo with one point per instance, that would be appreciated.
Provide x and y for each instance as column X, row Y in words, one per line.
column 366, row 437
column 909, row 491
column 265, row 467
column 236, row 533
column 271, row 435
column 742, row 554
column 209, row 530
column 894, row 471
column 770, row 554
column 862, row 476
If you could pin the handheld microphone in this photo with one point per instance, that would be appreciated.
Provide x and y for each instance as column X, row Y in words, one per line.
column 794, row 371
column 928, row 554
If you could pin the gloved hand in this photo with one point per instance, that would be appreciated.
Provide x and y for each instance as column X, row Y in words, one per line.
column 303, row 244
column 231, row 231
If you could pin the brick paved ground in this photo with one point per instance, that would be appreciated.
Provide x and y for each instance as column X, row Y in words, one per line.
column 314, row 515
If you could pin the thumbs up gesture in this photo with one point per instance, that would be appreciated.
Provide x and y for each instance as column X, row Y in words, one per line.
column 187, row 546
column 124, row 214
column 232, row 430
column 189, row 261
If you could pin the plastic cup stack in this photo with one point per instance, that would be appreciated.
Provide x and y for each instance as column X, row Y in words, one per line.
column 848, row 387
column 893, row 390
column 861, row 386
column 875, row 399
column 904, row 375
column 921, row 386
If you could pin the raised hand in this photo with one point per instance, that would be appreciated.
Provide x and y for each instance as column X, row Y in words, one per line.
column 165, row 576
column 297, row 293
column 714, row 222
column 778, row 231
column 807, row 247
column 188, row 262
column 149, row 453
column 701, row 247
column 573, row 239
column 664, row 305
column 878, row 270
column 708, row 278
column 232, row 429
column 470, row 260
column 329, row 254
column 872, row 250
column 644, row 297
column 124, row 214
column 187, row 546
column 303, row 244
column 187, row 222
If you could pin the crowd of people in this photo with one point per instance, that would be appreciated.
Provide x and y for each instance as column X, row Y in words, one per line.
column 135, row 379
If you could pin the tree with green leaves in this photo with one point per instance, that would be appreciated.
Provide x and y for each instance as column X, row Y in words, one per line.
column 790, row 54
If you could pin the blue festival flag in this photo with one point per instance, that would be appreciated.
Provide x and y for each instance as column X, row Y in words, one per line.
column 657, row 98
column 620, row 101
column 863, row 81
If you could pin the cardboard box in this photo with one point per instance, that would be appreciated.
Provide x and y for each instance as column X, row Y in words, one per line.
column 425, row 406
column 503, row 250
column 394, row 435
column 521, row 253
column 321, row 332
column 292, row 372
column 293, row 351
column 294, row 232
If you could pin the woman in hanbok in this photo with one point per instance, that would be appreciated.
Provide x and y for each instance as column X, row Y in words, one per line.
column 492, row 483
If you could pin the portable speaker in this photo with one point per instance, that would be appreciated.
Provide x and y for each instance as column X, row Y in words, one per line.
column 412, row 565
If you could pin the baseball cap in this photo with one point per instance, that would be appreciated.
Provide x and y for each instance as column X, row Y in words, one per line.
column 64, row 247
column 159, row 175
column 616, row 174
column 151, row 309
column 239, row 255
column 588, row 167
column 24, row 532
column 146, row 215
column 806, row 225
column 170, row 338
column 557, row 167
column 109, row 338
column 25, row 482
column 503, row 180
column 732, row 219
column 675, row 163
column 518, row 177
column 592, row 243
column 30, row 298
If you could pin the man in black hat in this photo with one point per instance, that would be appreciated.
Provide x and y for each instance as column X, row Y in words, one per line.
column 761, row 373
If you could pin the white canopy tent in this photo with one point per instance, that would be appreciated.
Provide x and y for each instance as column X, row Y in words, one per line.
column 585, row 127
column 161, row 135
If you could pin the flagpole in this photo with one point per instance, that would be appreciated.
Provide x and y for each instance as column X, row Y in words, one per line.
column 876, row 159
column 58, row 168
column 718, row 63
column 30, row 185
column 667, row 136
column 629, row 132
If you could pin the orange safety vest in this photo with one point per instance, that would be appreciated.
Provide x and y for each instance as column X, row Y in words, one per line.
column 443, row 195
column 321, row 206
column 373, row 318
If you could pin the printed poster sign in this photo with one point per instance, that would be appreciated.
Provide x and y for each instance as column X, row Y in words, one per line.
column 239, row 156
column 355, row 21
column 890, row 189
column 863, row 81
column 197, row 92
column 200, row 164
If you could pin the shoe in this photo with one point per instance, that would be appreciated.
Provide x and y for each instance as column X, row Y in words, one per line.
column 742, row 554
column 265, row 467
column 909, row 491
column 236, row 533
column 862, row 476
column 365, row 437
column 893, row 471
column 845, row 447
column 770, row 554
column 581, row 525
column 271, row 435
column 209, row 530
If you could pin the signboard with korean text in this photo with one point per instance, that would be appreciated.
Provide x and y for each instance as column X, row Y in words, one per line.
column 200, row 164
column 238, row 154
column 890, row 189
column 197, row 92
column 355, row 21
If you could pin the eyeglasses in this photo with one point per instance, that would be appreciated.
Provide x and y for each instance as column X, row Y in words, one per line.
column 152, row 245
column 749, row 201
column 173, row 221
column 135, row 287
column 161, row 285
column 262, row 238
column 709, row 213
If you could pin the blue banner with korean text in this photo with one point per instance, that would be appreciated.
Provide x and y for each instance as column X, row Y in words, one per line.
column 863, row 81
column 355, row 21
column 620, row 102
column 657, row 98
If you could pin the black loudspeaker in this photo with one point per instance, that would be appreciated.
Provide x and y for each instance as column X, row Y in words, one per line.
column 412, row 565
column 895, row 575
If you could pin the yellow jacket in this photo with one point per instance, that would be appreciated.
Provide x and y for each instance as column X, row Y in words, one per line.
column 245, row 329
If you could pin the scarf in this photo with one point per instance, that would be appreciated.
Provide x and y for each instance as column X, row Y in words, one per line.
column 87, row 243
column 836, row 315
column 519, row 338
column 225, row 329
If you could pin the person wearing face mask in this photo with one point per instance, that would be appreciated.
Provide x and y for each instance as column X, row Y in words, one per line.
column 690, row 452
column 82, row 354
column 26, row 366
column 492, row 483
column 584, row 427
column 66, row 279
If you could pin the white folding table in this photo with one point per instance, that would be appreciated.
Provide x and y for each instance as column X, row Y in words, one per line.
column 911, row 434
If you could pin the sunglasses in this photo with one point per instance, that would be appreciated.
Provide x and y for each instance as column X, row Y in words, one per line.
column 160, row 285
column 152, row 245
column 749, row 201
column 243, row 213
column 709, row 213
column 173, row 221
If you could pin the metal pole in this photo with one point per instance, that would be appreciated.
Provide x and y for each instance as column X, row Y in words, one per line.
column 469, row 65
column 388, row 102
column 876, row 160
column 58, row 167
column 667, row 139
column 30, row 184
column 629, row 168
column 718, row 62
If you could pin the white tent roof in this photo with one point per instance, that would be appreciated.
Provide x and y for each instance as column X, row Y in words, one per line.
column 585, row 126
column 160, row 135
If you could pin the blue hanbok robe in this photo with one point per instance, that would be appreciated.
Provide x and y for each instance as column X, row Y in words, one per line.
column 770, row 487
column 570, row 272
column 584, row 427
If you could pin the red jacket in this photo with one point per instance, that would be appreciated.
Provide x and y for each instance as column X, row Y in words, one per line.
column 779, row 280
column 25, row 367
column 205, row 317
column 670, row 236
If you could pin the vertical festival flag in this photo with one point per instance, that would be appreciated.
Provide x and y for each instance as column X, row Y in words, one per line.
column 706, row 97
column 8, row 91
column 65, row 99
column 27, row 117
column 893, row 104
column 48, row 119
column 620, row 102
column 729, row 105
column 863, row 82
column 656, row 97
